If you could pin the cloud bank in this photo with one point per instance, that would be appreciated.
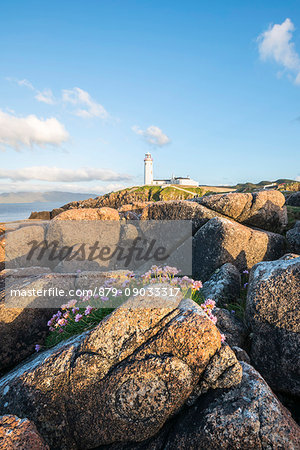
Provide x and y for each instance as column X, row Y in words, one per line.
column 54, row 174
column 29, row 131
column 153, row 135
column 276, row 44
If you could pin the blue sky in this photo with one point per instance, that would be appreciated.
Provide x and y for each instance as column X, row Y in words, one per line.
column 87, row 87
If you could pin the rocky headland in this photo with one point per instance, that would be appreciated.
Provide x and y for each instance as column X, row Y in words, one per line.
column 179, row 372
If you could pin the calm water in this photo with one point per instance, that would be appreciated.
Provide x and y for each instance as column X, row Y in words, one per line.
column 20, row 211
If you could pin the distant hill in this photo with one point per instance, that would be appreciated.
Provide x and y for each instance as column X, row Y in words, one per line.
column 283, row 182
column 52, row 196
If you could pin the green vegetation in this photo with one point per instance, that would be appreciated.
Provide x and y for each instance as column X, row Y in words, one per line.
column 293, row 215
column 156, row 193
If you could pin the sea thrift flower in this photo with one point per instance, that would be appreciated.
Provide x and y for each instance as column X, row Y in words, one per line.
column 78, row 317
column 213, row 318
column 62, row 322
column 146, row 276
column 130, row 274
column 246, row 271
column 88, row 310
column 37, row 348
column 211, row 303
column 170, row 271
column 74, row 310
column 223, row 338
column 197, row 285
column 104, row 299
column 71, row 303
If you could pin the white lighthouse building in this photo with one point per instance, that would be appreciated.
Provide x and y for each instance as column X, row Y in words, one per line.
column 148, row 169
column 148, row 176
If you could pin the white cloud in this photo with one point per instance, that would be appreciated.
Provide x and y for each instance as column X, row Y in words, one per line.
column 29, row 131
column 25, row 83
column 15, row 187
column 45, row 96
column 53, row 174
column 298, row 178
column 87, row 107
column 153, row 135
column 276, row 44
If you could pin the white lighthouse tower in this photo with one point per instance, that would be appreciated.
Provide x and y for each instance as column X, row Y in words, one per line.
column 148, row 169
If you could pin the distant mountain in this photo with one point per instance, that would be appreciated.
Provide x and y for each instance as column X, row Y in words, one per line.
column 52, row 196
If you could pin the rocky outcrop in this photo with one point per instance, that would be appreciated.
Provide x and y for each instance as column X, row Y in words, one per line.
column 293, row 237
column 222, row 241
column 106, row 213
column 264, row 209
column 99, row 229
column 16, row 433
column 133, row 210
column 179, row 210
column 122, row 380
column 55, row 212
column 247, row 417
column 224, row 285
column 294, row 199
column 2, row 252
column 23, row 320
column 231, row 326
column 88, row 214
column 274, row 317
column 40, row 215
column 17, row 246
column 288, row 256
column 134, row 195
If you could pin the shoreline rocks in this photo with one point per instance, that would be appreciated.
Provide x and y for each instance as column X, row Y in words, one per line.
column 122, row 380
column 263, row 209
column 222, row 241
column 273, row 315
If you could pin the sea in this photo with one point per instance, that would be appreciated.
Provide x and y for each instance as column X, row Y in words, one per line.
column 20, row 211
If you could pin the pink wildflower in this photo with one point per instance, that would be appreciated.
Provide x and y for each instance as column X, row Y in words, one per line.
column 78, row 317
column 223, row 338
column 197, row 285
column 37, row 348
column 62, row 322
column 88, row 310
column 210, row 303
column 71, row 303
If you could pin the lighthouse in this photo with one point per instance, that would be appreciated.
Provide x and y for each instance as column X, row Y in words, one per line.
column 148, row 169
